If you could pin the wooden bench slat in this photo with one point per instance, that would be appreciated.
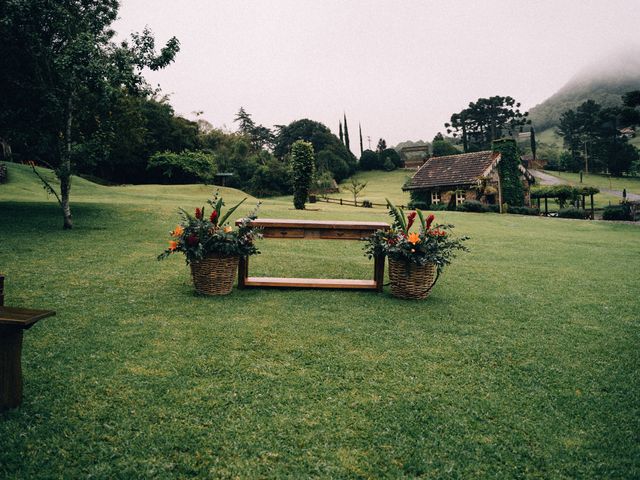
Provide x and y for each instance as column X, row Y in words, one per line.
column 310, row 283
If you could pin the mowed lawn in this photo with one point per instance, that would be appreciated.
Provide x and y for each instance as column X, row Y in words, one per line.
column 522, row 364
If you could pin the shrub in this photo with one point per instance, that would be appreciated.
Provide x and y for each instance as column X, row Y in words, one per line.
column 367, row 204
column 303, row 165
column 438, row 207
column 370, row 160
column 388, row 165
column 572, row 212
column 493, row 208
column 3, row 173
column 471, row 206
column 617, row 212
column 392, row 155
column 272, row 178
column 522, row 210
column 418, row 205
column 185, row 167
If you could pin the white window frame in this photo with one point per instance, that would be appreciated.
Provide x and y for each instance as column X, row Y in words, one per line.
column 436, row 198
column 460, row 197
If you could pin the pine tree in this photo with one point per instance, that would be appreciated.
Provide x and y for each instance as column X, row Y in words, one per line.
column 360, row 129
column 341, row 136
column 346, row 133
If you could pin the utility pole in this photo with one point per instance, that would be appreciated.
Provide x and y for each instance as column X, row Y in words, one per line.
column 369, row 140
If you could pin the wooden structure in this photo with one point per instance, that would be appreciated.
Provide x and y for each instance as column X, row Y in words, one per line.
column 317, row 230
column 13, row 321
column 415, row 156
column 452, row 179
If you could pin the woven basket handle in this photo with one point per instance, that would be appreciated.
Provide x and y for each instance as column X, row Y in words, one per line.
column 434, row 282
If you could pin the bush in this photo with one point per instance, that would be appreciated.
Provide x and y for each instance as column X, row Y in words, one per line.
column 472, row 206
column 272, row 178
column 370, row 160
column 367, row 204
column 572, row 212
column 392, row 155
column 328, row 160
column 418, row 205
column 389, row 165
column 303, row 167
column 438, row 207
column 3, row 173
column 493, row 208
column 617, row 212
column 185, row 167
column 522, row 210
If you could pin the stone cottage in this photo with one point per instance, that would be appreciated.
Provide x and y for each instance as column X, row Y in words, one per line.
column 452, row 179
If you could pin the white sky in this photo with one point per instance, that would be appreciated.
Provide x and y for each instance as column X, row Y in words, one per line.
column 401, row 68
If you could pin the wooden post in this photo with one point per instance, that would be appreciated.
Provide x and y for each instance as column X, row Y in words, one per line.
column 546, row 206
column 583, row 202
column 593, row 213
column 538, row 204
column 10, row 367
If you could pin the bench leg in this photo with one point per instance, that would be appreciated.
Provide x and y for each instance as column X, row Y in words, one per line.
column 243, row 271
column 10, row 367
column 378, row 272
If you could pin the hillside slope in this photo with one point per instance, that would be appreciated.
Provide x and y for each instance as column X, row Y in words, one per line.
column 604, row 82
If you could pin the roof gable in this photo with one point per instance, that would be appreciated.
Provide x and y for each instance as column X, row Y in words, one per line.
column 461, row 169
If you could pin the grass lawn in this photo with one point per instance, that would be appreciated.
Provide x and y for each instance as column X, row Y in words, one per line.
column 522, row 364
column 380, row 185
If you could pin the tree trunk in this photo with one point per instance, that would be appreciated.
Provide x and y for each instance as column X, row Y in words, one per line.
column 64, row 173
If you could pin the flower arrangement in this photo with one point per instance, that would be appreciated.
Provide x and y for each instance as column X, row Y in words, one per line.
column 432, row 243
column 201, row 235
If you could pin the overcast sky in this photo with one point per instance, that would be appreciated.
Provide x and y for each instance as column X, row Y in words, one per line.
column 400, row 68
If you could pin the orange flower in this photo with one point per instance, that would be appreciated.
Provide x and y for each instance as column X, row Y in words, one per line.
column 414, row 238
column 173, row 245
column 227, row 229
column 178, row 231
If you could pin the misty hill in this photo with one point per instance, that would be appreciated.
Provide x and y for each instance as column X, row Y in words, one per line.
column 604, row 82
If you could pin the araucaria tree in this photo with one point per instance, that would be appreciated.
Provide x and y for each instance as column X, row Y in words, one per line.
column 61, row 73
column 486, row 120
column 303, row 166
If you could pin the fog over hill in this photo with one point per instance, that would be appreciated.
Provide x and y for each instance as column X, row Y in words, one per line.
column 604, row 81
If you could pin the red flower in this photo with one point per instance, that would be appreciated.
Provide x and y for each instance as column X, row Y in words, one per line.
column 430, row 219
column 198, row 214
column 214, row 216
column 411, row 218
column 192, row 240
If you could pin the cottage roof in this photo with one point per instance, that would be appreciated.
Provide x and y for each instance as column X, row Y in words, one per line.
column 461, row 169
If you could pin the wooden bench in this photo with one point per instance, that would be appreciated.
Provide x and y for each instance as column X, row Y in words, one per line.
column 13, row 321
column 317, row 230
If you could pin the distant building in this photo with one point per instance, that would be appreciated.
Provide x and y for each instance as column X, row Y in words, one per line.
column 453, row 179
column 414, row 156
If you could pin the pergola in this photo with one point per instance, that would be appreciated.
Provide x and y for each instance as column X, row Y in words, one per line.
column 563, row 193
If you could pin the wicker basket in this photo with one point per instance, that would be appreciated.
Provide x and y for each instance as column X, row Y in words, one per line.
column 214, row 275
column 411, row 281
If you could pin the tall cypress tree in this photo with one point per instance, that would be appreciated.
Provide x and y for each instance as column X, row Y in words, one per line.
column 533, row 143
column 360, row 130
column 346, row 133
column 341, row 137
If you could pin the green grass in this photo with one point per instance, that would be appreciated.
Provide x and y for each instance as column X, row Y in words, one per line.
column 380, row 185
column 522, row 364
